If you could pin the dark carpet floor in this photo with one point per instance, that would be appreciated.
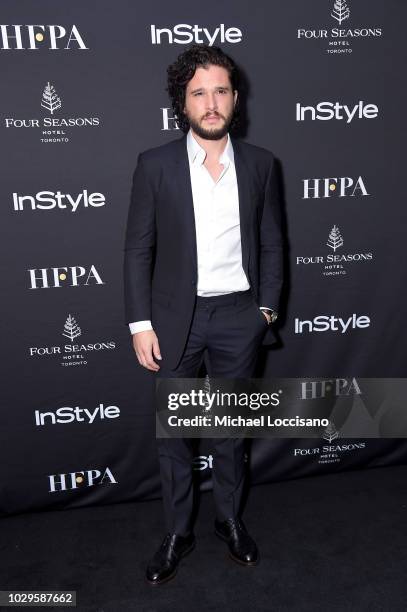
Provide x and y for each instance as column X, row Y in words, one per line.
column 334, row 542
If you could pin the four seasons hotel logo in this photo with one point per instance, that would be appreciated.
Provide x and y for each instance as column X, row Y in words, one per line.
column 55, row 128
column 76, row 352
column 339, row 40
column 334, row 264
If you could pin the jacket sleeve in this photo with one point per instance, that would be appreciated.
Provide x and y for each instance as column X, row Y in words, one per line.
column 139, row 246
column 271, row 243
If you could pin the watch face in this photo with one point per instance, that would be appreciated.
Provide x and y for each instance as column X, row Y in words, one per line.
column 274, row 316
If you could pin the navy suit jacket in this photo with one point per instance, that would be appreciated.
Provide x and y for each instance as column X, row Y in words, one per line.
column 160, row 263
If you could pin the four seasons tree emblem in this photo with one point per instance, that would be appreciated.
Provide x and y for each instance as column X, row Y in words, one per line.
column 340, row 11
column 335, row 239
column 330, row 433
column 71, row 329
column 50, row 100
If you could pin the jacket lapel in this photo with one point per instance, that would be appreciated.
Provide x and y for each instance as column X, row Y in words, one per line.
column 245, row 208
column 185, row 198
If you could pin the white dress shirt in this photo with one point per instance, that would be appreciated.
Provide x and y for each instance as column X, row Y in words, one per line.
column 217, row 224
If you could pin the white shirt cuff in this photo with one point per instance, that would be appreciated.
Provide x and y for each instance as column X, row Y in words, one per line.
column 140, row 326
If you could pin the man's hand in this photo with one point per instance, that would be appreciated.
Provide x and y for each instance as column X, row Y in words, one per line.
column 146, row 345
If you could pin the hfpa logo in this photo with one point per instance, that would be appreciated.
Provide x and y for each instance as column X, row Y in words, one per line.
column 45, row 278
column 169, row 122
column 74, row 480
column 32, row 37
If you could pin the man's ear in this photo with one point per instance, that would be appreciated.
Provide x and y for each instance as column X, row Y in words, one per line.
column 235, row 97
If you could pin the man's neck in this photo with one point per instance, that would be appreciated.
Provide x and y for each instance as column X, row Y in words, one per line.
column 212, row 148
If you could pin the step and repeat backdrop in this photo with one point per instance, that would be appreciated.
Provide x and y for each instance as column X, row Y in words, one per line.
column 83, row 93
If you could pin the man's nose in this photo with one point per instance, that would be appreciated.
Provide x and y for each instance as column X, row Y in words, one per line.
column 211, row 101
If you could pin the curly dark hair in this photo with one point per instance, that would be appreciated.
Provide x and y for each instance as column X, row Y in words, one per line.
column 183, row 69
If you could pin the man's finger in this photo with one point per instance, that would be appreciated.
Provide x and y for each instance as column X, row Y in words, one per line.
column 156, row 349
column 148, row 360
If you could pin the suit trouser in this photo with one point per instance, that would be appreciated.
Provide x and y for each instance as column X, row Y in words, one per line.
column 231, row 327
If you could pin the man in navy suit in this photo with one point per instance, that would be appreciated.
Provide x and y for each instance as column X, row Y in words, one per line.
column 203, row 272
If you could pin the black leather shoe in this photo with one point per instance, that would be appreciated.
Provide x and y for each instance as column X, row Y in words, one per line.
column 163, row 565
column 242, row 548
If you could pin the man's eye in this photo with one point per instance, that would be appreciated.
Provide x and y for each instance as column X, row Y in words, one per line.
column 222, row 91
column 198, row 93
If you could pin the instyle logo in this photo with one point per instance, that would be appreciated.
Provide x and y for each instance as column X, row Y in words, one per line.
column 53, row 129
column 325, row 111
column 202, row 462
column 339, row 39
column 73, row 354
column 342, row 187
column 183, row 34
column 75, row 480
column 72, row 276
column 205, row 462
column 68, row 414
column 35, row 37
column 50, row 200
column 323, row 323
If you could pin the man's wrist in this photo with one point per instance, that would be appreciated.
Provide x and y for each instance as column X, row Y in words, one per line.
column 140, row 326
column 270, row 312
